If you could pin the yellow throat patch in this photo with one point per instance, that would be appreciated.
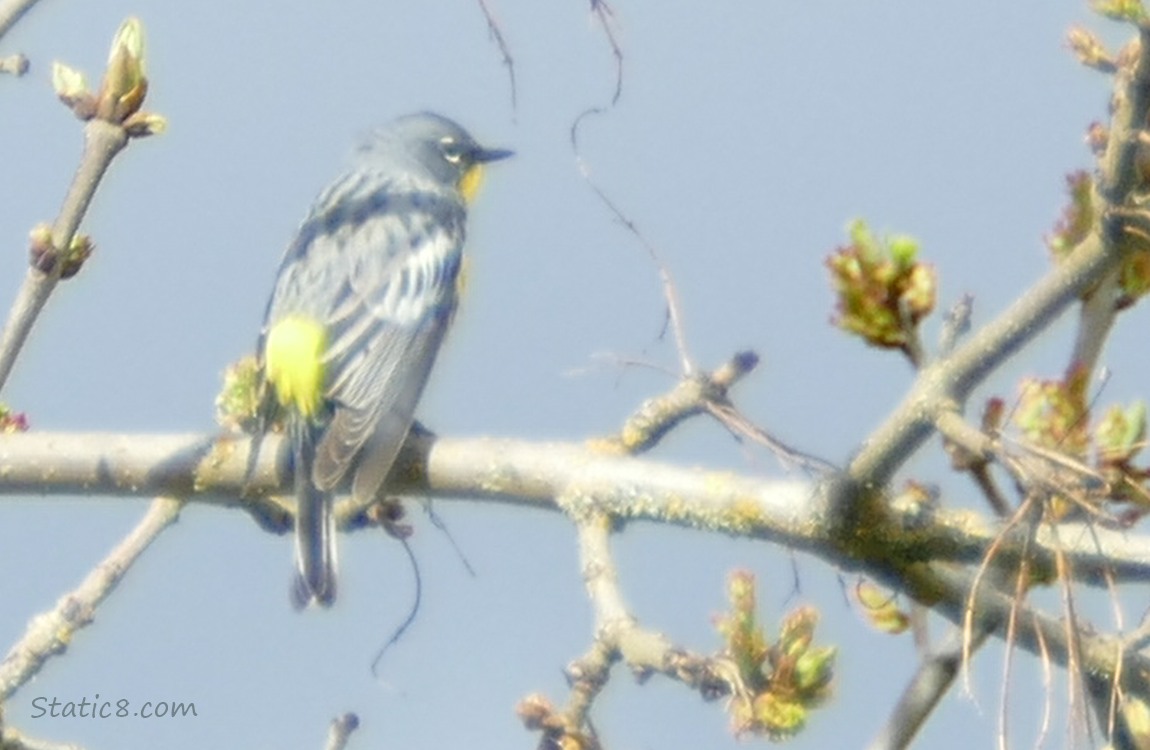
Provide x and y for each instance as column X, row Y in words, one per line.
column 470, row 181
column 293, row 356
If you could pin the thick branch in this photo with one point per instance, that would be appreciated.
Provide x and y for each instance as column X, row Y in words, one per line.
column 930, row 683
column 947, row 383
column 949, row 590
column 901, row 549
column 793, row 513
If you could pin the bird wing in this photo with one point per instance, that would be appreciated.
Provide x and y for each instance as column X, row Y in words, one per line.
column 369, row 437
column 377, row 263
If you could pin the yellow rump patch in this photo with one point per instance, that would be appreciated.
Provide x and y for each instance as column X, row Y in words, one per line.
column 293, row 355
column 470, row 181
column 463, row 276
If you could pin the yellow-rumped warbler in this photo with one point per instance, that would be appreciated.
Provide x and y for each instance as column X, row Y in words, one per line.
column 361, row 304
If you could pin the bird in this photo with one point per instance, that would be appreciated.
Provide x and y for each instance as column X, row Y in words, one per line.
column 364, row 296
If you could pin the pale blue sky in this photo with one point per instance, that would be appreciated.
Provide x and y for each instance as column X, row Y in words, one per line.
column 747, row 136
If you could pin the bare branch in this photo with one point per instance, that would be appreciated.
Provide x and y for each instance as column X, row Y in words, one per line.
column 13, row 739
column 795, row 513
column 340, row 731
column 670, row 290
column 1116, row 181
column 740, row 426
column 11, row 11
column 933, row 678
column 949, row 588
column 50, row 633
column 606, row 18
column 950, row 381
column 618, row 637
column 693, row 395
column 16, row 64
column 112, row 117
column 102, row 142
column 496, row 32
column 1096, row 319
column 589, row 674
column 956, row 324
column 618, row 634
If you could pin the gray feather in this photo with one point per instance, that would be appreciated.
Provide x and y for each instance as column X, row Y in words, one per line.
column 375, row 263
column 315, row 530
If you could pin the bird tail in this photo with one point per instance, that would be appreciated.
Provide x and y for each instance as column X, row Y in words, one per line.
column 315, row 528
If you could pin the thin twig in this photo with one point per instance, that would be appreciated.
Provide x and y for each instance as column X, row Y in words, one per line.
column 691, row 396
column 11, row 12
column 1048, row 697
column 1075, row 686
column 741, row 426
column 412, row 611
column 102, row 141
column 618, row 635
column 1027, row 509
column 496, row 32
column 605, row 16
column 339, row 732
column 50, row 633
column 670, row 290
column 16, row 65
column 956, row 324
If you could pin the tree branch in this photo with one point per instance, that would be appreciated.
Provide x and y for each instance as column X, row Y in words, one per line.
column 340, row 731
column 794, row 513
column 946, row 384
column 931, row 681
column 102, row 141
column 50, row 633
column 11, row 11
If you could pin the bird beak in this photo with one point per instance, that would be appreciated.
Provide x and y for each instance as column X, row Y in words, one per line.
column 484, row 155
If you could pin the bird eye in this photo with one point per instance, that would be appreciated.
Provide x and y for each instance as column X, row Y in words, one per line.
column 452, row 150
